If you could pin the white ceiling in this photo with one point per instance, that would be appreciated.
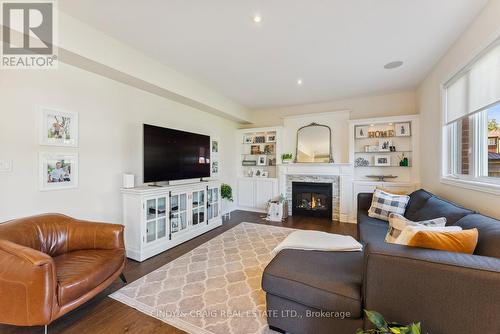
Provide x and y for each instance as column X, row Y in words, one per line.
column 338, row 47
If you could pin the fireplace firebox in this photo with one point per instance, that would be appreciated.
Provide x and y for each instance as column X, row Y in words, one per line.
column 312, row 199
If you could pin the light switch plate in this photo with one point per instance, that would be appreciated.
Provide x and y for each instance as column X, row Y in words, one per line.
column 5, row 166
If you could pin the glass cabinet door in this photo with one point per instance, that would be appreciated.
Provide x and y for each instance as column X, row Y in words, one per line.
column 156, row 222
column 213, row 203
column 151, row 231
column 178, row 213
column 198, row 207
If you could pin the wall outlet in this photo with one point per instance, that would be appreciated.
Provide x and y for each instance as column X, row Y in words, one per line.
column 5, row 166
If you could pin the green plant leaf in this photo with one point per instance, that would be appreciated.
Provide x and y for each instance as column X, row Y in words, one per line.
column 415, row 328
column 226, row 192
column 377, row 319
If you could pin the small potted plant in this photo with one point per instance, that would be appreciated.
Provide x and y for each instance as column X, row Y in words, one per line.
column 286, row 158
column 226, row 193
column 384, row 327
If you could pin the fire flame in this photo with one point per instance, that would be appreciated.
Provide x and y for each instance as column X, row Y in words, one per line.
column 313, row 203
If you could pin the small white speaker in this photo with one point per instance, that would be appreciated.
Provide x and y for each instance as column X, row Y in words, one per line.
column 128, row 180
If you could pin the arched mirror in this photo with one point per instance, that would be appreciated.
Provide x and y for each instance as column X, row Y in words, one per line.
column 314, row 144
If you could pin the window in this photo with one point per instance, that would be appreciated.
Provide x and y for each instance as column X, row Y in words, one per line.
column 472, row 122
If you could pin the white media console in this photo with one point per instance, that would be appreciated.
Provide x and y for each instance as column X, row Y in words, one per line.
column 159, row 218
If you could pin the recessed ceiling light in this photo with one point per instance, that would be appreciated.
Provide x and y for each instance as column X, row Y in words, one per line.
column 372, row 124
column 299, row 82
column 257, row 18
column 393, row 64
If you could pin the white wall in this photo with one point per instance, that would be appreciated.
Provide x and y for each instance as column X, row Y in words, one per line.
column 338, row 123
column 482, row 31
column 332, row 114
column 111, row 115
column 393, row 104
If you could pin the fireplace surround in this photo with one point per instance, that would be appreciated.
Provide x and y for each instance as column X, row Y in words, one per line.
column 312, row 199
column 338, row 175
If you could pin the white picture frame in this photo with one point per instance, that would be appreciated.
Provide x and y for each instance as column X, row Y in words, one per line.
column 58, row 128
column 214, row 168
column 58, row 171
column 247, row 139
column 262, row 160
column 384, row 145
column 402, row 129
column 214, row 146
column 382, row 160
column 259, row 172
column 362, row 131
column 271, row 138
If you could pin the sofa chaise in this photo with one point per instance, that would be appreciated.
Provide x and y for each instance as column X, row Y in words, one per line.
column 449, row 293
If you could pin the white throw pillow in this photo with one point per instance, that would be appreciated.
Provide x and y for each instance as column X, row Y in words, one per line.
column 409, row 232
column 384, row 204
column 397, row 223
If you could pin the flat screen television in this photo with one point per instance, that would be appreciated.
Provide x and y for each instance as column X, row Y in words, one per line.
column 174, row 155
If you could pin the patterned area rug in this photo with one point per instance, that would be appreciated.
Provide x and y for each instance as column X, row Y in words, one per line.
column 215, row 288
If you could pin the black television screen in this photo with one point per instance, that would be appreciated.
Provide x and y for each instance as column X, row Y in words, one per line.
column 174, row 155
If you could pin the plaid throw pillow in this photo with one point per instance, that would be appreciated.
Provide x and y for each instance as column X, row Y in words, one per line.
column 398, row 223
column 384, row 203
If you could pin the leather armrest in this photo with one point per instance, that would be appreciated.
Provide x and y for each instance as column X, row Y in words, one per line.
column 84, row 235
column 27, row 285
column 447, row 292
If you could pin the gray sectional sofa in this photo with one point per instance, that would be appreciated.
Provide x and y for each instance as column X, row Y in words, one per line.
column 449, row 293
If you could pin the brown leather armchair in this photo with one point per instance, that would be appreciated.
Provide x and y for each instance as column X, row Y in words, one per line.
column 51, row 264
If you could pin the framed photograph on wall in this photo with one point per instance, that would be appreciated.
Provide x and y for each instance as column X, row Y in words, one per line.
column 361, row 132
column 402, row 129
column 58, row 128
column 215, row 169
column 58, row 170
column 215, row 146
column 382, row 160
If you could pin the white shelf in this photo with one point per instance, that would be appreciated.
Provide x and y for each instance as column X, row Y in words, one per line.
column 407, row 145
column 252, row 192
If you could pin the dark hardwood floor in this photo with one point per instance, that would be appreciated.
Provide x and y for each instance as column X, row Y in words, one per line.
column 105, row 315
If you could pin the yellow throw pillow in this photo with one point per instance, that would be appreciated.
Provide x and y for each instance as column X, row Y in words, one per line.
column 392, row 192
column 461, row 241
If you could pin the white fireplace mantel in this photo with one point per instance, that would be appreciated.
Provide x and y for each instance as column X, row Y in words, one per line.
column 343, row 170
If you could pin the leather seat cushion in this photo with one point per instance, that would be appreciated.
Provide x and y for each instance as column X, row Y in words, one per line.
column 328, row 281
column 81, row 271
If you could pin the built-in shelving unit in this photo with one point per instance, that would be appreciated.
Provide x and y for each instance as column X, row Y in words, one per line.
column 259, row 156
column 259, row 152
column 385, row 144
column 377, row 146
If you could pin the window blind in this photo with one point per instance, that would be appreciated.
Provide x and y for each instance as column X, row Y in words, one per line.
column 476, row 88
